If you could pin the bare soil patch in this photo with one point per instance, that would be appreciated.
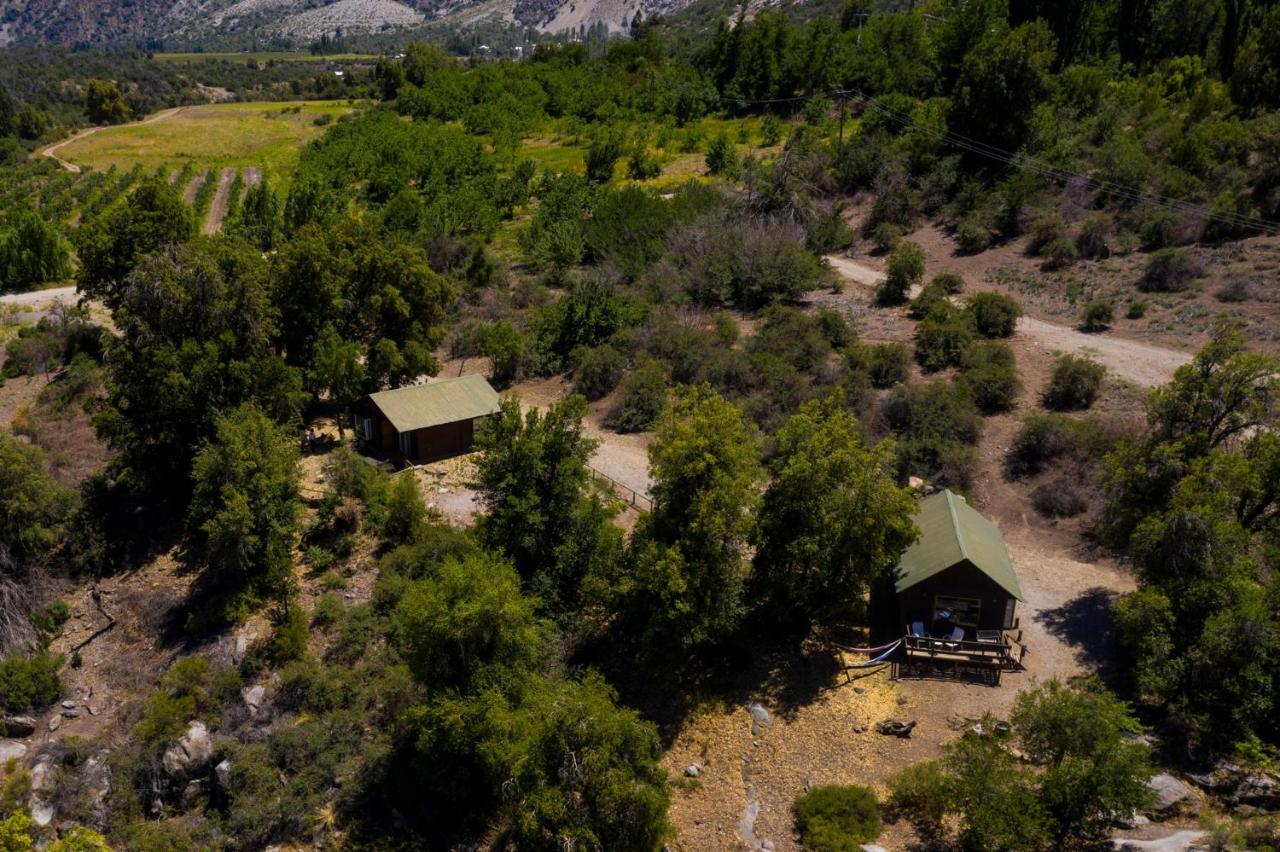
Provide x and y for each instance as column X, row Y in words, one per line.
column 220, row 203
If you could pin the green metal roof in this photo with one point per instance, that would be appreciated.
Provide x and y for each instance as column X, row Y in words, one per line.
column 951, row 531
column 421, row 406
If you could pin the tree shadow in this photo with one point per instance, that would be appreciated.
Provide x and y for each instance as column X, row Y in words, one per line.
column 1087, row 624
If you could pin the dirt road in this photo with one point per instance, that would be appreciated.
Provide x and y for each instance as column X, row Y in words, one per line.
column 221, row 202
column 52, row 150
column 1141, row 363
column 40, row 297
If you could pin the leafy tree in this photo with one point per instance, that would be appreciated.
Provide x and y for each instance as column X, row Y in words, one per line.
column 258, row 220
column 32, row 505
column 602, row 156
column 688, row 553
column 532, row 479
column 832, row 520
column 1093, row 769
column 832, row 818
column 721, row 157
column 336, row 369
column 244, row 503
column 504, row 346
column 195, row 342
column 906, row 269
column 642, row 397
column 1003, row 78
column 154, row 216
column 104, row 104
column 31, row 252
column 467, row 623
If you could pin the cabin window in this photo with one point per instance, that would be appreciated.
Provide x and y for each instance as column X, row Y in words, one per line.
column 366, row 428
column 1008, row 612
column 962, row 612
column 406, row 442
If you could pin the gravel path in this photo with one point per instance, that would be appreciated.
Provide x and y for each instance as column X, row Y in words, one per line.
column 1141, row 363
column 40, row 297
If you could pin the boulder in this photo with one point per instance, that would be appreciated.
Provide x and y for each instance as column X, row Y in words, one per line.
column 11, row 750
column 253, row 696
column 42, row 779
column 1178, row 841
column 97, row 785
column 896, row 728
column 222, row 774
column 19, row 726
column 759, row 717
column 871, row 847
column 1257, row 789
column 191, row 753
column 192, row 792
column 693, row 770
column 1171, row 794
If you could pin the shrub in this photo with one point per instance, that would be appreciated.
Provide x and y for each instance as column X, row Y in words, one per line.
column 1060, row 253
column 885, row 236
column 721, row 157
column 1169, row 270
column 941, row 338
column 1060, row 498
column 602, row 156
column 906, row 269
column 919, row 792
column 1042, row 439
column 886, row 364
column 994, row 314
column 328, row 610
column 1091, row 242
column 931, row 296
column 1235, row 290
column 641, row 398
column 935, row 422
column 504, row 346
column 642, row 165
column 973, row 235
column 1074, row 384
column 596, row 370
column 836, row 818
column 991, row 374
column 950, row 282
column 1137, row 309
column 290, row 641
column 1097, row 316
column 770, row 131
column 835, row 328
column 29, row 683
column 1045, row 230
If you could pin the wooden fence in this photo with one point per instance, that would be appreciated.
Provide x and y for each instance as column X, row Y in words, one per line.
column 636, row 499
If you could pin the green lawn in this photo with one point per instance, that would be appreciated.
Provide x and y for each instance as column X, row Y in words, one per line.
column 267, row 135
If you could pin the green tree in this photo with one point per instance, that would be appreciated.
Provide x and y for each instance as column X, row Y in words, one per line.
column 8, row 113
column 533, row 481
column 688, row 553
column 1003, row 78
column 336, row 370
column 1093, row 768
column 154, row 216
column 906, row 270
column 833, row 520
column 103, row 103
column 31, row 251
column 244, row 503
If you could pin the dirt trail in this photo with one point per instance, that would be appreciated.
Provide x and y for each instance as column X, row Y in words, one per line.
column 251, row 175
column 53, row 149
column 193, row 187
column 40, row 297
column 1141, row 363
column 221, row 202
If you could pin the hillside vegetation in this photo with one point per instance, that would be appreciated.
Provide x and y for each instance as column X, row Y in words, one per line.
column 634, row 239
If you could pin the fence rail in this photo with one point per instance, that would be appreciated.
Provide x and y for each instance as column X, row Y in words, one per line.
column 636, row 499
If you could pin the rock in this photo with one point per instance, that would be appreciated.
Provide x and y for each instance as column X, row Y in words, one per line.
column 222, row 774
column 68, row 704
column 693, row 770
column 19, row 726
column 190, row 753
column 871, row 847
column 859, row 690
column 193, row 791
column 71, row 714
column 859, row 729
column 759, row 717
column 1171, row 793
column 55, row 722
column 93, row 711
column 1179, row 841
column 902, row 699
column 42, row 772
column 896, row 728
column 253, row 696
column 11, row 750
column 1259, row 790
column 97, row 785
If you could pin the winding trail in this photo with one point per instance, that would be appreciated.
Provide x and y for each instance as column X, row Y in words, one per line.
column 1142, row 363
column 53, row 149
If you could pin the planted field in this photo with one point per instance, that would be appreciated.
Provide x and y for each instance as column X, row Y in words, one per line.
column 268, row 136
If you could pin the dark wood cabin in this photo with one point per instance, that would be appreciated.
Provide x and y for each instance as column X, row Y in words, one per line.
column 957, row 581
column 424, row 423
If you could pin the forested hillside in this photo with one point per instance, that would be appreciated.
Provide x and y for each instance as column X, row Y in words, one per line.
column 748, row 298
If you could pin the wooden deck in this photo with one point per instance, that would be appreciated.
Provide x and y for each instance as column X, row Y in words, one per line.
column 925, row 656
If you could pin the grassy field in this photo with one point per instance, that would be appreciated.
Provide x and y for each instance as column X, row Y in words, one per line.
column 263, row 56
column 267, row 135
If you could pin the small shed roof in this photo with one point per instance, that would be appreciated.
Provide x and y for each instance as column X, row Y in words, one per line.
column 951, row 531
column 422, row 406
